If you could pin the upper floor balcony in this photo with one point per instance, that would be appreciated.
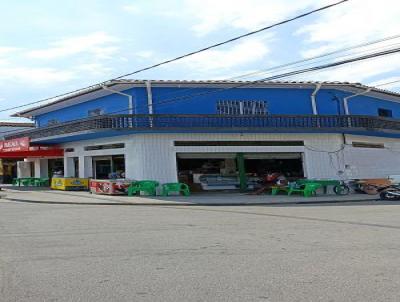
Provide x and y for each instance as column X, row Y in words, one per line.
column 112, row 125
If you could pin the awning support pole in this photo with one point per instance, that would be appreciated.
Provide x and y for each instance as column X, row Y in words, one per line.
column 242, row 172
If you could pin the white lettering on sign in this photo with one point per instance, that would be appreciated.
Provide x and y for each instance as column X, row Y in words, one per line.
column 13, row 145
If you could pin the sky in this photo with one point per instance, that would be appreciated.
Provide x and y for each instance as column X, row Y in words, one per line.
column 51, row 47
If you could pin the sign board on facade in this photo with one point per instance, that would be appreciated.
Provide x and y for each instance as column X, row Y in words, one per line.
column 13, row 145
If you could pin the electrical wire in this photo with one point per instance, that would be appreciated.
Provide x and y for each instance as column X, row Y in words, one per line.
column 275, row 77
column 310, row 61
column 187, row 54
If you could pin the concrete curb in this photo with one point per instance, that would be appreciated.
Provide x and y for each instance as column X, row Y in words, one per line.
column 311, row 202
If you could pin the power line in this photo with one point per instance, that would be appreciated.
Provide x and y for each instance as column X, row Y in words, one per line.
column 321, row 56
column 187, row 54
column 388, row 83
column 288, row 66
column 279, row 76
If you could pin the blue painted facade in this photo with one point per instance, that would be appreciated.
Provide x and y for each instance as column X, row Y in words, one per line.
column 108, row 103
column 175, row 100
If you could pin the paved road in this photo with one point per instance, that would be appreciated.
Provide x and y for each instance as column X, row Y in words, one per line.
column 346, row 252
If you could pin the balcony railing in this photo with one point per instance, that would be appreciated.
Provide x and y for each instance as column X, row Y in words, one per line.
column 298, row 123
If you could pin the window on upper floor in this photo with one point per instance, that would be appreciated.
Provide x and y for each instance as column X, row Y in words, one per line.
column 53, row 122
column 104, row 147
column 367, row 145
column 95, row 112
column 385, row 112
column 242, row 107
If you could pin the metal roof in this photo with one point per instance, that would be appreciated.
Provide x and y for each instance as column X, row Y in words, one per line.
column 97, row 91
column 17, row 124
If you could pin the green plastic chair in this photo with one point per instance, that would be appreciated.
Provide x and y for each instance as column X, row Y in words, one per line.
column 175, row 187
column 308, row 189
column 41, row 182
column 276, row 189
column 147, row 186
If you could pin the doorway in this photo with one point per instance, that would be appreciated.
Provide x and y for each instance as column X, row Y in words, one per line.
column 9, row 170
column 56, row 167
column 106, row 167
column 222, row 171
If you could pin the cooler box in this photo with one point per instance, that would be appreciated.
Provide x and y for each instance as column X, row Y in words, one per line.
column 70, row 184
column 109, row 186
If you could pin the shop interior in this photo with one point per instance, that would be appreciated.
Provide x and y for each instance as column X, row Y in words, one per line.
column 109, row 167
column 220, row 171
column 56, row 167
column 8, row 170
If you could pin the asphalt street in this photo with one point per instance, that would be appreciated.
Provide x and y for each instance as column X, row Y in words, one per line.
column 332, row 252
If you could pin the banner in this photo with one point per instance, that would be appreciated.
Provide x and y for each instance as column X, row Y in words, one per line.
column 13, row 145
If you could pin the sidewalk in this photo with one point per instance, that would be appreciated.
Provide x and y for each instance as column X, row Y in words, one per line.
column 40, row 195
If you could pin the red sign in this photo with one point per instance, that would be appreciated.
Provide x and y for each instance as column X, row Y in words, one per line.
column 13, row 145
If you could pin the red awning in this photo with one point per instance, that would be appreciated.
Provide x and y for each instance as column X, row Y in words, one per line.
column 33, row 153
column 21, row 148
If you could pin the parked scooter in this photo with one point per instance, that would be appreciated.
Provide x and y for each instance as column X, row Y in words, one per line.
column 391, row 192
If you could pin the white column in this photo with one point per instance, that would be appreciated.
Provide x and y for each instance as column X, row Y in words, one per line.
column 69, row 167
column 23, row 169
column 85, row 167
column 37, row 169
column 41, row 167
column 44, row 167
column 134, row 161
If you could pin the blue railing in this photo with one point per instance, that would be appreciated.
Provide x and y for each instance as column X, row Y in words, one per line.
column 215, row 122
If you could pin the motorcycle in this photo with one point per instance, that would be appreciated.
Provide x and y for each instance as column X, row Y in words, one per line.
column 391, row 192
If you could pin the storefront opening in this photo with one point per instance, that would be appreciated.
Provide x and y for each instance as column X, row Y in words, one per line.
column 56, row 167
column 220, row 171
column 8, row 170
column 109, row 167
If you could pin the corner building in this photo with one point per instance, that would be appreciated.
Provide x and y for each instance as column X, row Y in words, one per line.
column 218, row 134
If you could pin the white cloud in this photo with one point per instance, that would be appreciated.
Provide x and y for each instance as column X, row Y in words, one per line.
column 211, row 15
column 96, row 44
column 94, row 69
column 131, row 8
column 32, row 75
column 354, row 22
column 7, row 50
column 245, row 52
column 349, row 24
column 145, row 54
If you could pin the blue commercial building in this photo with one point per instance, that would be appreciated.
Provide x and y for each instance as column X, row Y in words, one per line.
column 196, row 131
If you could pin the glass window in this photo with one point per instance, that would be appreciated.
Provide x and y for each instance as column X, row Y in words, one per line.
column 385, row 112
column 242, row 107
column 95, row 112
column 53, row 122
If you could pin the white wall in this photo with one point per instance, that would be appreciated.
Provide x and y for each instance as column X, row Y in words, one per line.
column 153, row 156
column 374, row 163
column 23, row 169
